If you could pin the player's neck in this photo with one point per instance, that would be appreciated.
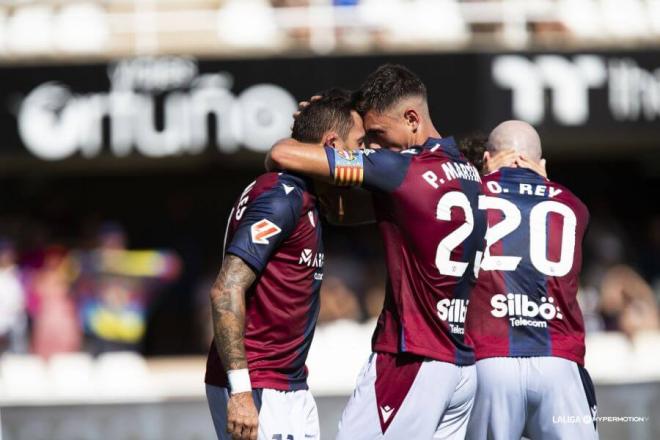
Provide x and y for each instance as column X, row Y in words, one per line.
column 425, row 132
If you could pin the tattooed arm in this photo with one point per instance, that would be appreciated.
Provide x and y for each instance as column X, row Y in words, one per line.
column 228, row 308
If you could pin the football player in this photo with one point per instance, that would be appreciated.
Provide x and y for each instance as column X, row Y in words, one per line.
column 420, row 380
column 265, row 301
column 524, row 318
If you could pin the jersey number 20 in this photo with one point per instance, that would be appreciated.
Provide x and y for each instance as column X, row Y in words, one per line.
column 538, row 236
column 512, row 218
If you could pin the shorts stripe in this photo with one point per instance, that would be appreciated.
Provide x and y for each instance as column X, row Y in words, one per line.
column 257, row 394
column 589, row 392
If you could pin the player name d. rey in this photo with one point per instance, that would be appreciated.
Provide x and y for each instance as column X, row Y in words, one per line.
column 527, row 189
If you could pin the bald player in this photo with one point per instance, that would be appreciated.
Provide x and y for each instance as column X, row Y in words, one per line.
column 524, row 318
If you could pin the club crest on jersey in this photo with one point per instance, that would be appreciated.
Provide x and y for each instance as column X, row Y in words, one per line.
column 309, row 259
column 521, row 310
column 263, row 230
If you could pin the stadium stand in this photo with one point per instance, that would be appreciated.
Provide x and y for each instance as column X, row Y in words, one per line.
column 230, row 27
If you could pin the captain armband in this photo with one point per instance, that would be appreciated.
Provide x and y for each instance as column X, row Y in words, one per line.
column 349, row 168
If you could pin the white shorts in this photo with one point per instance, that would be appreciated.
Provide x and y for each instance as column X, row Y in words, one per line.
column 543, row 398
column 283, row 415
column 405, row 397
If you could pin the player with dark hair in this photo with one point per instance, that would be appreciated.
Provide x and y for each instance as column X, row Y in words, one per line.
column 473, row 147
column 331, row 112
column 420, row 380
column 524, row 317
column 265, row 300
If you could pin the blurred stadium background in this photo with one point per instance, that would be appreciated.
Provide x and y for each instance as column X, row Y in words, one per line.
column 127, row 129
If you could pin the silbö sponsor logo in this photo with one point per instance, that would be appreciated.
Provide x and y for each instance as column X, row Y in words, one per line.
column 523, row 311
column 453, row 311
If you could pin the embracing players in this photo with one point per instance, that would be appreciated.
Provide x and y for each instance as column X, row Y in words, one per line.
column 265, row 301
column 524, row 318
column 420, row 380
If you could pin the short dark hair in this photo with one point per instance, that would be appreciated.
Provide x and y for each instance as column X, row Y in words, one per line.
column 386, row 86
column 473, row 148
column 331, row 112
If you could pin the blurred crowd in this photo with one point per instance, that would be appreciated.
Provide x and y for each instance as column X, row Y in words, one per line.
column 83, row 27
column 438, row 23
column 383, row 23
column 621, row 280
column 55, row 299
column 98, row 296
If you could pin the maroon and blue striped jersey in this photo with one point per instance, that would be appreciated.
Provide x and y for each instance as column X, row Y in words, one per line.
column 425, row 202
column 274, row 227
column 525, row 301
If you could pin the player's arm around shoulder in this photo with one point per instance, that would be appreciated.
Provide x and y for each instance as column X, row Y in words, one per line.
column 304, row 158
column 330, row 167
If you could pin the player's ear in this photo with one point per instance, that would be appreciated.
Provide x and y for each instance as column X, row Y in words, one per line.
column 487, row 165
column 412, row 118
column 333, row 140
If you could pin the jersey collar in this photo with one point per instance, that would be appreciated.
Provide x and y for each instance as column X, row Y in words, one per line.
column 447, row 145
column 304, row 182
column 444, row 142
column 522, row 173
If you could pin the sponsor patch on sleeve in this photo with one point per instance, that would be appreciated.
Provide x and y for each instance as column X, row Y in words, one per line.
column 262, row 230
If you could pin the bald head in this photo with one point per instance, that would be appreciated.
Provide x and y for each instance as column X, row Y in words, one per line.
column 517, row 135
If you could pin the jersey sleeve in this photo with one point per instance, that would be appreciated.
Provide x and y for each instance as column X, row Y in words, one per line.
column 265, row 224
column 375, row 170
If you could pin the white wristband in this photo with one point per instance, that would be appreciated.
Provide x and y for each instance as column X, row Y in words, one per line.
column 239, row 381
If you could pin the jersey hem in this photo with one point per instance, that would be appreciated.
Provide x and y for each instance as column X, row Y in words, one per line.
column 419, row 351
column 257, row 383
column 561, row 354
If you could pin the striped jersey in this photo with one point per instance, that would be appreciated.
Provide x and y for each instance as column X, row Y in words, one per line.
column 425, row 201
column 525, row 302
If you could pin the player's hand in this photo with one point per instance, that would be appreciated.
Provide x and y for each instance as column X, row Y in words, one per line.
column 504, row 158
column 302, row 105
column 242, row 417
column 511, row 158
column 537, row 167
